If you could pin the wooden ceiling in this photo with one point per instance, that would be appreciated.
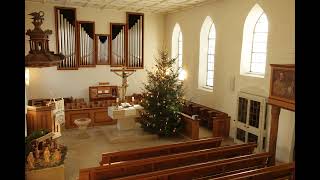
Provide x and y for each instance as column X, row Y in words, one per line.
column 152, row 6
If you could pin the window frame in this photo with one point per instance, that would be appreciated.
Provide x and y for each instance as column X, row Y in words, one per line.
column 252, row 45
column 208, row 54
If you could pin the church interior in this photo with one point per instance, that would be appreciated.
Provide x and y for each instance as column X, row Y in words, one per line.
column 159, row 89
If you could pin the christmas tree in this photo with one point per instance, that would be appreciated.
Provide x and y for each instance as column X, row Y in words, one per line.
column 162, row 99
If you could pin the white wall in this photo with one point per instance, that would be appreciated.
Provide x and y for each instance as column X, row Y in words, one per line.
column 229, row 17
column 66, row 83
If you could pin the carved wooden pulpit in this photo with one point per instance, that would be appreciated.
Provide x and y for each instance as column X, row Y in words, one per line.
column 281, row 95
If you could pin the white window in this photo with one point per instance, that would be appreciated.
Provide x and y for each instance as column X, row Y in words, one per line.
column 259, row 46
column 207, row 55
column 176, row 50
column 254, row 45
column 180, row 51
column 210, row 57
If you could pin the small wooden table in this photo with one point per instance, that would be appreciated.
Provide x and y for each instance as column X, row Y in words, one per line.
column 125, row 116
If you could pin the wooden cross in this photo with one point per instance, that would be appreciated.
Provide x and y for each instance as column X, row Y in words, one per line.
column 124, row 73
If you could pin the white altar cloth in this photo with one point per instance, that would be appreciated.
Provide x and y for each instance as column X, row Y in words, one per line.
column 125, row 116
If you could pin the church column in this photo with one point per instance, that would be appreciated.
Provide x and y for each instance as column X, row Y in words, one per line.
column 275, row 112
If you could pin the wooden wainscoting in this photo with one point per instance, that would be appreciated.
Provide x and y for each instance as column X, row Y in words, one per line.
column 98, row 116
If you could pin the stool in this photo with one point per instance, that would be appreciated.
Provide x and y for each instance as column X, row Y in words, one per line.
column 82, row 124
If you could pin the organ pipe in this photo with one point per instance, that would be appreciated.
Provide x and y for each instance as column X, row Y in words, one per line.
column 86, row 47
column 66, row 40
column 135, row 39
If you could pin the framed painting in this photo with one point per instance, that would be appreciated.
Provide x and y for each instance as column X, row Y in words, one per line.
column 282, row 85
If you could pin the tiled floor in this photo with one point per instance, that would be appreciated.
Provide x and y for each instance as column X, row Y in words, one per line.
column 85, row 153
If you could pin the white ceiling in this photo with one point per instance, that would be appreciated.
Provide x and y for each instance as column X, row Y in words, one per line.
column 154, row 6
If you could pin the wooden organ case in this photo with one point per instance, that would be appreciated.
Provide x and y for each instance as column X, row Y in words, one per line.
column 65, row 21
column 135, row 31
column 86, row 43
column 117, row 45
column 102, row 49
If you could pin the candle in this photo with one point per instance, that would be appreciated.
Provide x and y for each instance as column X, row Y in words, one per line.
column 117, row 100
column 132, row 99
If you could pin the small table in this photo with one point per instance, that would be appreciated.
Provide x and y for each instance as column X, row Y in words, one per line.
column 125, row 116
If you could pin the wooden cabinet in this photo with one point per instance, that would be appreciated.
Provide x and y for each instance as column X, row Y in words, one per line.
column 98, row 116
column 98, row 93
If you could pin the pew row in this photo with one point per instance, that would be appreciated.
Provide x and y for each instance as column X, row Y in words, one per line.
column 282, row 171
column 213, row 169
column 127, row 168
column 191, row 127
column 211, row 118
column 194, row 145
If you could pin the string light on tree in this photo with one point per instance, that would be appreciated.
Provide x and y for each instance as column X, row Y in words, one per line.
column 162, row 98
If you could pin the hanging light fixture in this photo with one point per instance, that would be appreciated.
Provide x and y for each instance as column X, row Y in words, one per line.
column 39, row 54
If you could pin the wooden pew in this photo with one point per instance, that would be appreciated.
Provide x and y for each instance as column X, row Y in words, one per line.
column 127, row 168
column 194, row 145
column 191, row 127
column 282, row 171
column 213, row 169
column 211, row 118
column 220, row 126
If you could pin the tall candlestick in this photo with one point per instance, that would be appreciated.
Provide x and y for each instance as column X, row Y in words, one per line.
column 132, row 99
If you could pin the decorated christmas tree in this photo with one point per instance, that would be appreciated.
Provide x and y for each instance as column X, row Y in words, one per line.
column 162, row 99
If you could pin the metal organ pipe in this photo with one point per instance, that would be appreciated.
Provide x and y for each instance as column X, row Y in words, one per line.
column 65, row 41
column 138, row 43
column 59, row 35
column 122, row 47
column 62, row 38
column 66, row 38
column 140, row 40
column 81, row 45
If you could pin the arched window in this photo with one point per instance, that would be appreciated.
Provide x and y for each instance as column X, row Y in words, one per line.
column 180, row 50
column 176, row 50
column 210, row 59
column 254, row 45
column 207, row 55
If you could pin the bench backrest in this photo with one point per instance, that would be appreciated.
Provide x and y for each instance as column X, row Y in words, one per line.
column 194, row 145
column 212, row 168
column 281, row 171
column 127, row 168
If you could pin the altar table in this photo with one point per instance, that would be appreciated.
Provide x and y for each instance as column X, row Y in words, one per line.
column 125, row 116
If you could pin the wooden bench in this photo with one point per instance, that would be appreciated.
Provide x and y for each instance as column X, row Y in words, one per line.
column 220, row 126
column 127, row 168
column 191, row 127
column 211, row 118
column 213, row 169
column 194, row 145
column 282, row 171
column 165, row 162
